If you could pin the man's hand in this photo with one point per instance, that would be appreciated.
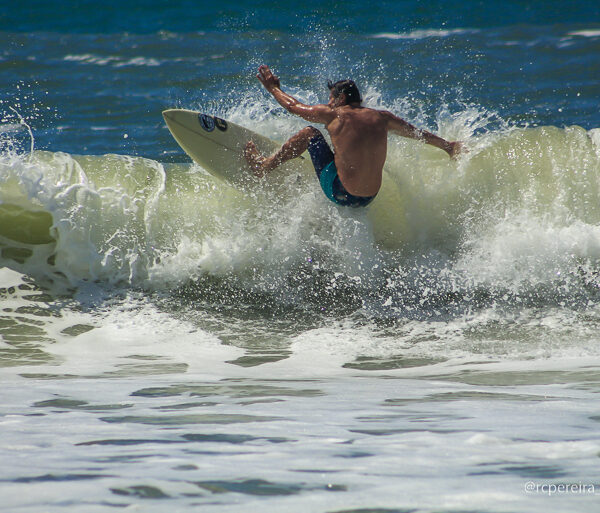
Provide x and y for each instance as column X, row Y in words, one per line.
column 267, row 79
column 311, row 113
column 455, row 149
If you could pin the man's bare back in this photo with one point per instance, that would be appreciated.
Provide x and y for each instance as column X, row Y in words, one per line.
column 358, row 135
column 359, row 138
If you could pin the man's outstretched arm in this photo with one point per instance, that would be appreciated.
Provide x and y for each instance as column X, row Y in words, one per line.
column 405, row 129
column 313, row 113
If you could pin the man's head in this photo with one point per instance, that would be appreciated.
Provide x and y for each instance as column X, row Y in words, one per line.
column 344, row 87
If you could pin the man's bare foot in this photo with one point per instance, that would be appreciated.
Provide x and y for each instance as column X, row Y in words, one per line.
column 254, row 159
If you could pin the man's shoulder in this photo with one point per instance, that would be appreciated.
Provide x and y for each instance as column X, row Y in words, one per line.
column 368, row 111
column 358, row 110
column 372, row 116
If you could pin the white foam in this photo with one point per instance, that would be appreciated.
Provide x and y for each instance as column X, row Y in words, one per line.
column 10, row 127
column 113, row 60
column 424, row 33
column 139, row 61
column 10, row 278
column 585, row 33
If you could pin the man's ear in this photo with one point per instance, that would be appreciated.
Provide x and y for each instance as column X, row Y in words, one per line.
column 342, row 99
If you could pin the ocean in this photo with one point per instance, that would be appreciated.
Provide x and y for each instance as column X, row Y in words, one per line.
column 169, row 342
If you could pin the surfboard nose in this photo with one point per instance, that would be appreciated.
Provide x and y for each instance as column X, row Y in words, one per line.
column 180, row 117
column 169, row 115
column 176, row 117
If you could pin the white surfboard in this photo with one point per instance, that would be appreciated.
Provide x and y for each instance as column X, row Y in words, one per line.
column 218, row 145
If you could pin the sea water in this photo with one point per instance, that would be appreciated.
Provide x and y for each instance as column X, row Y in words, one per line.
column 169, row 342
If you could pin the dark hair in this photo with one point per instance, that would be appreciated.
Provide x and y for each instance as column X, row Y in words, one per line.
column 348, row 87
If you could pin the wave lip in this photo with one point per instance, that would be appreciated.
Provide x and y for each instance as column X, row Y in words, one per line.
column 70, row 219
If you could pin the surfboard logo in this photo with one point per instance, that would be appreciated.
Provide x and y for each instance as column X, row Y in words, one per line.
column 221, row 124
column 207, row 122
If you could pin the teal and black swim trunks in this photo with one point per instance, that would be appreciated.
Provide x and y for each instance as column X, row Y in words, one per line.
column 323, row 160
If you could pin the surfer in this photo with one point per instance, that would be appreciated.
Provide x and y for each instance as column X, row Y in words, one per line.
column 351, row 174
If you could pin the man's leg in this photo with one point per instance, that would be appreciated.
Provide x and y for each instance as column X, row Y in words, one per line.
column 293, row 148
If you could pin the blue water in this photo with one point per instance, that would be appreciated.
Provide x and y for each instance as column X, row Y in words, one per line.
column 169, row 342
column 237, row 16
column 79, row 66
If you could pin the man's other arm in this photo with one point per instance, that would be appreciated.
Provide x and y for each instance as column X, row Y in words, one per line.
column 405, row 129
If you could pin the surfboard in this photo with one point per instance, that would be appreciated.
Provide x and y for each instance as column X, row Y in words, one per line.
column 217, row 146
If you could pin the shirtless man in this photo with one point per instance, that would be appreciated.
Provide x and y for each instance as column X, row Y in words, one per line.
column 351, row 175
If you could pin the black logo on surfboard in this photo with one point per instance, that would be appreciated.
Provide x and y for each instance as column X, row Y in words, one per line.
column 207, row 122
column 221, row 124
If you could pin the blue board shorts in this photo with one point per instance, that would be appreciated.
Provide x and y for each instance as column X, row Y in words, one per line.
column 324, row 161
